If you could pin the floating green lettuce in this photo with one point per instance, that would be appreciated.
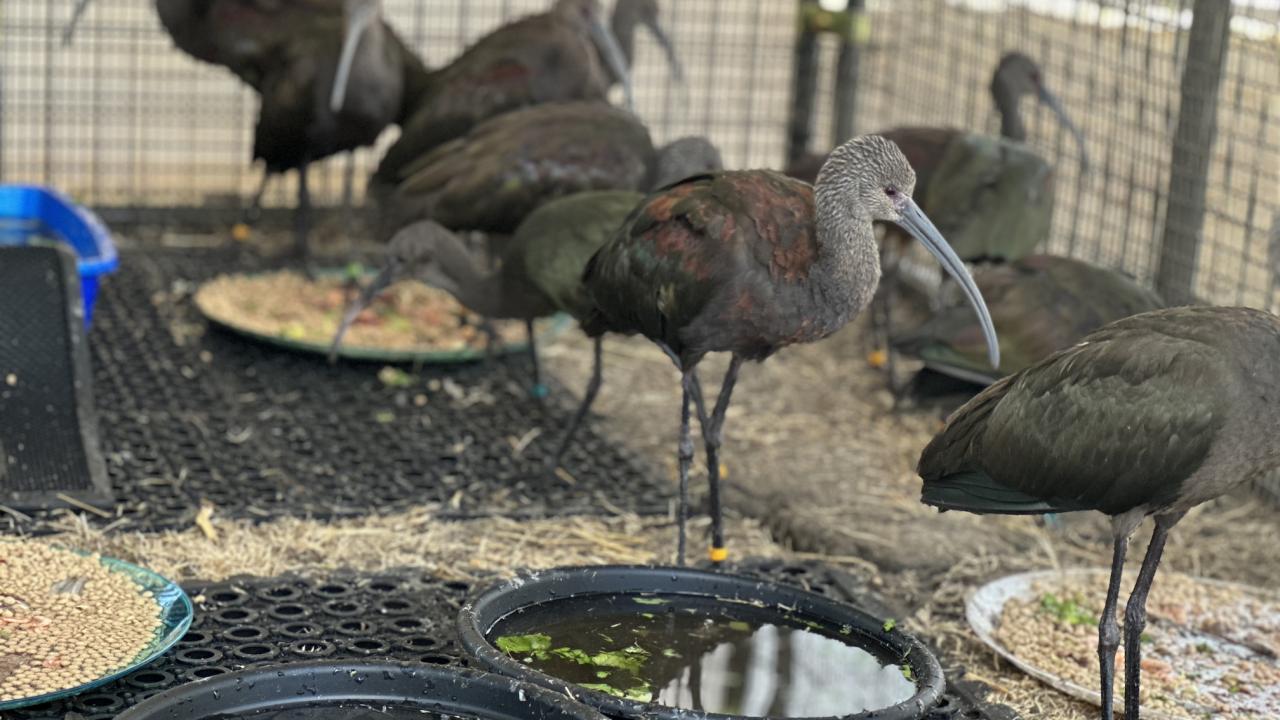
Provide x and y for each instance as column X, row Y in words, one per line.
column 573, row 654
column 649, row 601
column 630, row 658
column 740, row 626
column 520, row 644
column 890, row 624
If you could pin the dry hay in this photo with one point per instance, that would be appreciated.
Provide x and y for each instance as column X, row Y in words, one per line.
column 449, row 549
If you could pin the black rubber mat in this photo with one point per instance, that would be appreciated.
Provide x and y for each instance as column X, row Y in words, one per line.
column 190, row 413
column 251, row 622
column 49, row 452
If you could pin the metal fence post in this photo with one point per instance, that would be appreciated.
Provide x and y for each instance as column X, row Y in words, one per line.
column 847, row 70
column 1192, row 147
column 804, row 85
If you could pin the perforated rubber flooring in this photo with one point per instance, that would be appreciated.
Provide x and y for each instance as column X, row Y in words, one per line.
column 253, row 622
column 189, row 413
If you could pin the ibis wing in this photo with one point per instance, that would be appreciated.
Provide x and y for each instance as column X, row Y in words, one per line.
column 1039, row 305
column 506, row 167
column 533, row 60
column 555, row 243
column 706, row 257
column 1116, row 422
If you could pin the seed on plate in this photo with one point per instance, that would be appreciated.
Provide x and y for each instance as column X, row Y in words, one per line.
column 65, row 639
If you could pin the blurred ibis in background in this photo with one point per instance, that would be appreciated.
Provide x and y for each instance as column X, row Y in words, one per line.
column 1040, row 304
column 1150, row 415
column 991, row 197
column 541, row 266
column 493, row 177
column 564, row 54
column 749, row 262
column 332, row 75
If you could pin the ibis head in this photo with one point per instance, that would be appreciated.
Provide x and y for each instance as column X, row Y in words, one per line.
column 869, row 179
column 589, row 15
column 1017, row 76
column 627, row 15
column 417, row 251
column 685, row 157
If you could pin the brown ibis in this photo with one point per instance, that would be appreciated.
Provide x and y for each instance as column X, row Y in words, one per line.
column 332, row 75
column 567, row 53
column 1148, row 416
column 493, row 177
column 1040, row 304
column 541, row 267
column 749, row 262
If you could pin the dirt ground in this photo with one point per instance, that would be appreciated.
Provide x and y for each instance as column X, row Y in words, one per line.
column 820, row 466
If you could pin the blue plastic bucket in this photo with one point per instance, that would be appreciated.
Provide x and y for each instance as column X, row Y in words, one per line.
column 28, row 212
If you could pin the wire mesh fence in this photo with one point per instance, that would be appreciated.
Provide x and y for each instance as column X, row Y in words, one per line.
column 121, row 118
column 1118, row 67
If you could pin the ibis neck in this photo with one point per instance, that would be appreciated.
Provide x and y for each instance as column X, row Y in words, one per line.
column 461, row 276
column 1010, row 117
column 623, row 24
column 848, row 266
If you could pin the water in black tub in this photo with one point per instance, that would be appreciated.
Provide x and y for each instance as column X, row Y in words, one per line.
column 705, row 654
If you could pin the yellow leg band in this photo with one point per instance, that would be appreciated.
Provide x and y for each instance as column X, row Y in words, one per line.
column 241, row 232
column 718, row 554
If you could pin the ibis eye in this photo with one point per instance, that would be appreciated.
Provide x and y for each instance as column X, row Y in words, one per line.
column 891, row 192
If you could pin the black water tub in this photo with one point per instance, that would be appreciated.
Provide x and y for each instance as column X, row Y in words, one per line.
column 327, row 690
column 499, row 606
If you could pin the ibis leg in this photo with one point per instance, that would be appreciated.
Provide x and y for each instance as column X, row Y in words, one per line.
column 593, row 388
column 684, row 457
column 490, row 342
column 713, row 435
column 539, row 390
column 1135, row 614
column 302, row 219
column 348, row 195
column 254, row 211
column 1108, row 632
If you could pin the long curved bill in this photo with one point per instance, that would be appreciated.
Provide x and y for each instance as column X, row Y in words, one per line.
column 366, row 296
column 1053, row 103
column 358, row 15
column 77, row 11
column 668, row 47
column 918, row 224
column 612, row 53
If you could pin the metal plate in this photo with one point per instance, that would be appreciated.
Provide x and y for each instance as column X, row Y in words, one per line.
column 985, row 606
column 546, row 330
column 176, row 614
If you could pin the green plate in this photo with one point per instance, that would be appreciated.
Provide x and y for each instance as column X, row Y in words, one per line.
column 176, row 614
column 545, row 329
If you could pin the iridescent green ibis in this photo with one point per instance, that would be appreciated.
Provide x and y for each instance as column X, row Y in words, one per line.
column 750, row 262
column 490, row 179
column 540, row 273
column 562, row 55
column 332, row 76
column 1040, row 304
column 1148, row 416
